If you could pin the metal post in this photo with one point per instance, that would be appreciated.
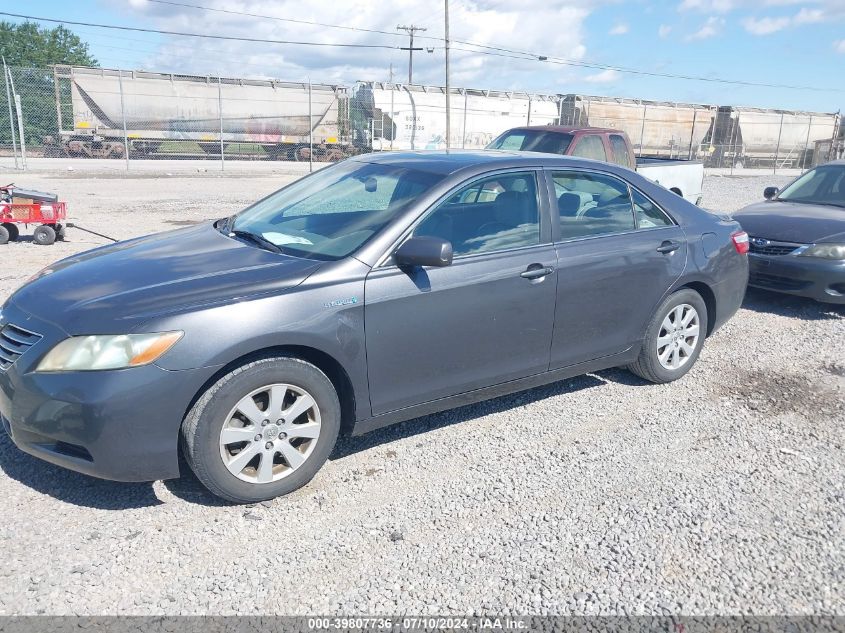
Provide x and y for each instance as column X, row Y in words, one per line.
column 19, row 112
column 123, row 115
column 448, row 81
column 392, row 116
column 464, row 134
column 642, row 129
column 11, row 116
column 806, row 144
column 777, row 149
column 692, row 132
column 220, row 113
column 528, row 120
column 311, row 130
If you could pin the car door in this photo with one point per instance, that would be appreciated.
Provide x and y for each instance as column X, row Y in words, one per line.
column 485, row 319
column 618, row 254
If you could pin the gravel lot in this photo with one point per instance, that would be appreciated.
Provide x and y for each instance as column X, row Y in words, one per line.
column 723, row 493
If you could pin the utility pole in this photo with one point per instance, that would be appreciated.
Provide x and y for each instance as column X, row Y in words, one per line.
column 448, row 82
column 410, row 30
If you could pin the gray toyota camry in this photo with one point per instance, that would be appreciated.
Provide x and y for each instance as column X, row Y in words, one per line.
column 379, row 289
column 797, row 236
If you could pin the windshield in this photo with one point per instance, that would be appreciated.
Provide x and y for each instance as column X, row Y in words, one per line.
column 822, row 185
column 533, row 141
column 331, row 213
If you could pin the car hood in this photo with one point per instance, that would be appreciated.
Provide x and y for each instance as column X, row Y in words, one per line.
column 793, row 222
column 116, row 288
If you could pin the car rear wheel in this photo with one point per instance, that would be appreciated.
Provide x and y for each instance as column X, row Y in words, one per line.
column 263, row 430
column 674, row 338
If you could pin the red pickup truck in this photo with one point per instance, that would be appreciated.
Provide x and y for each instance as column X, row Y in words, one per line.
column 684, row 177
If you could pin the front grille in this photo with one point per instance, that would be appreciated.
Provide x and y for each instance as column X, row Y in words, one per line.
column 14, row 341
column 762, row 246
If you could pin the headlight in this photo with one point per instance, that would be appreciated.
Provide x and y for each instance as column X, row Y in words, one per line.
column 826, row 251
column 113, row 351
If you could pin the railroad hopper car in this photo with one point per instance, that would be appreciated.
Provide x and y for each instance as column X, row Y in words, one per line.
column 184, row 115
column 656, row 128
column 756, row 137
column 402, row 117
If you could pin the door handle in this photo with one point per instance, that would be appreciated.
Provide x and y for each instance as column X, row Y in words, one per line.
column 535, row 271
column 668, row 247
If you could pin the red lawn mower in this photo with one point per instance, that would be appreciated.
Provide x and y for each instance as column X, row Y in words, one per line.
column 24, row 207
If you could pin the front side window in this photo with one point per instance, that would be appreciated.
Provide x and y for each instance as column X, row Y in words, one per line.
column 590, row 146
column 592, row 204
column 492, row 214
column 621, row 155
column 333, row 212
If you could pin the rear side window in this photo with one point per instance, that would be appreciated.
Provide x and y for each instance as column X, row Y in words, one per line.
column 621, row 156
column 649, row 215
column 590, row 146
column 493, row 214
column 592, row 204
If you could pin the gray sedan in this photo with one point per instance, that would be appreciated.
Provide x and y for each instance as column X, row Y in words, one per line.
column 797, row 236
column 376, row 290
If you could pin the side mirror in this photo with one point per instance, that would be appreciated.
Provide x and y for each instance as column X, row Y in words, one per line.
column 424, row 251
column 770, row 192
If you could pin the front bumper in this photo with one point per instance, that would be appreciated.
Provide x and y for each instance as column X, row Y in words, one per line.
column 121, row 425
column 819, row 279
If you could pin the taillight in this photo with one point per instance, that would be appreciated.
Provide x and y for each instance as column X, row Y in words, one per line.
column 740, row 240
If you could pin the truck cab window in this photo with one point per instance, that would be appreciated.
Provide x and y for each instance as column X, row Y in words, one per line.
column 621, row 155
column 590, row 146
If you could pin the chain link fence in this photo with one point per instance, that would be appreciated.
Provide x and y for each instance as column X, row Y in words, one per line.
column 85, row 113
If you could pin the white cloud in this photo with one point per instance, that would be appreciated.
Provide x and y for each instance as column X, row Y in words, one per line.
column 489, row 22
column 839, row 46
column 711, row 28
column 604, row 77
column 663, row 30
column 769, row 25
column 765, row 26
column 619, row 29
column 708, row 6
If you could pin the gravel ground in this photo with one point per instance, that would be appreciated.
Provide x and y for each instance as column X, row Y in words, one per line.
column 723, row 493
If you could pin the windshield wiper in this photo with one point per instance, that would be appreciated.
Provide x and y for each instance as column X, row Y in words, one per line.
column 260, row 240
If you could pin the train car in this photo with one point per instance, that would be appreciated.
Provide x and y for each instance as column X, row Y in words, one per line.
column 408, row 117
column 187, row 116
column 756, row 137
column 656, row 128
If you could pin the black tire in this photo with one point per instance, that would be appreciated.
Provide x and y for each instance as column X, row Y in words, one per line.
column 202, row 427
column 44, row 235
column 4, row 234
column 12, row 230
column 648, row 365
column 60, row 232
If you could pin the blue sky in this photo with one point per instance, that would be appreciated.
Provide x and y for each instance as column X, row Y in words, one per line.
column 764, row 41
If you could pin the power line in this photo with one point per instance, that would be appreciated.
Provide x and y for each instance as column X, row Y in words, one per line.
column 273, row 17
column 488, row 50
column 200, row 35
column 518, row 54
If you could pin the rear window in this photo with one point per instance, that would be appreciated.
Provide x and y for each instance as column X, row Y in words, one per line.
column 533, row 141
column 590, row 146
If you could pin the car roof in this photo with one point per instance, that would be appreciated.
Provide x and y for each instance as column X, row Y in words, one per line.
column 568, row 129
column 451, row 161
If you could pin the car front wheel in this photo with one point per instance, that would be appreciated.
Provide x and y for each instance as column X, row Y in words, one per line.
column 674, row 338
column 263, row 430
